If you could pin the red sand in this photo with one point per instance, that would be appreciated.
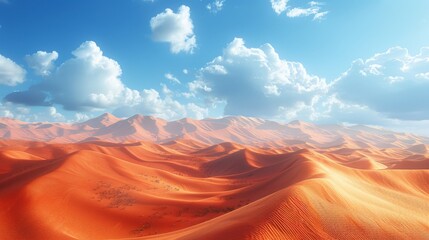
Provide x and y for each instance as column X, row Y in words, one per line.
column 187, row 189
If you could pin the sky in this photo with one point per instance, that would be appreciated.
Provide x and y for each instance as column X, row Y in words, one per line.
column 331, row 61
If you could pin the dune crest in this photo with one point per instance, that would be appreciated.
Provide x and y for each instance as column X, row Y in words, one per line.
column 236, row 129
column 188, row 189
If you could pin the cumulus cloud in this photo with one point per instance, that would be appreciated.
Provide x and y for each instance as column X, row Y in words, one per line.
column 314, row 10
column 42, row 62
column 87, row 81
column 172, row 78
column 256, row 81
column 165, row 90
column 279, row 6
column 28, row 114
column 175, row 28
column 55, row 115
column 152, row 103
column 196, row 111
column 393, row 83
column 11, row 74
column 198, row 86
column 215, row 6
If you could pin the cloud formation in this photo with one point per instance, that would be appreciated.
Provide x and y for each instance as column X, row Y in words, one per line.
column 215, row 6
column 11, row 74
column 42, row 62
column 393, row 83
column 313, row 10
column 175, row 28
column 87, row 81
column 30, row 115
column 279, row 6
column 172, row 78
column 55, row 115
column 256, row 81
column 152, row 103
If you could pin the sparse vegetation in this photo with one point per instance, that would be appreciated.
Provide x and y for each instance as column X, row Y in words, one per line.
column 115, row 196
column 141, row 229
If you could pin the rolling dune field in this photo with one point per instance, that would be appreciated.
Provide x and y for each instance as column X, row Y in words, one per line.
column 191, row 187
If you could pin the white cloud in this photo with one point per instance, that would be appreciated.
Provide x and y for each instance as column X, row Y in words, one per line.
column 185, row 71
column 85, row 82
column 198, row 85
column 172, row 78
column 320, row 15
column 165, row 90
column 279, row 6
column 422, row 75
column 42, row 62
column 196, row 111
column 216, row 69
column 55, row 115
column 175, row 28
column 256, row 81
column 188, row 94
column 330, row 109
column 89, row 80
column 81, row 117
column 392, row 83
column 30, row 115
column 215, row 6
column 154, row 104
column 6, row 113
column 314, row 10
column 11, row 74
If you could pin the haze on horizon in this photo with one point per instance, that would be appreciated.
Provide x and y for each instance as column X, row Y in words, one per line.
column 354, row 62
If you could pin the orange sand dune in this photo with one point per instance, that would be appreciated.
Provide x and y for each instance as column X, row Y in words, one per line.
column 189, row 189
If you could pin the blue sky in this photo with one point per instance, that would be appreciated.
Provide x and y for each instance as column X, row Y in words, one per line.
column 331, row 61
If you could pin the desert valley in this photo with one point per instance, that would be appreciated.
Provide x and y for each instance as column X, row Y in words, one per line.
column 231, row 178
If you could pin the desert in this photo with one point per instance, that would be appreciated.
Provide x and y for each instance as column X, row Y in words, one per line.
column 190, row 184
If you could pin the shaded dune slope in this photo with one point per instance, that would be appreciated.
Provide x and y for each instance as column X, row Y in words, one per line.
column 185, row 189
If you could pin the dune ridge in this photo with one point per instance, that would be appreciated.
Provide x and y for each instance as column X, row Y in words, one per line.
column 236, row 129
column 190, row 189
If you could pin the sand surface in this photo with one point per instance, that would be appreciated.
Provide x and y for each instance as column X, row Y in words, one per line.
column 192, row 189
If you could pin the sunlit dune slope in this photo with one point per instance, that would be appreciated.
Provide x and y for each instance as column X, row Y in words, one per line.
column 186, row 189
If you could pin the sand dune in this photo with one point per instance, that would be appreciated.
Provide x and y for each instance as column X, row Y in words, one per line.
column 241, row 130
column 188, row 189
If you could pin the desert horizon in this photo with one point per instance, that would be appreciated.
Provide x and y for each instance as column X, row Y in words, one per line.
column 214, row 119
column 211, row 178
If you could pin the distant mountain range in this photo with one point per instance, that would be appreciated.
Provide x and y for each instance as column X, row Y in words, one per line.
column 237, row 129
